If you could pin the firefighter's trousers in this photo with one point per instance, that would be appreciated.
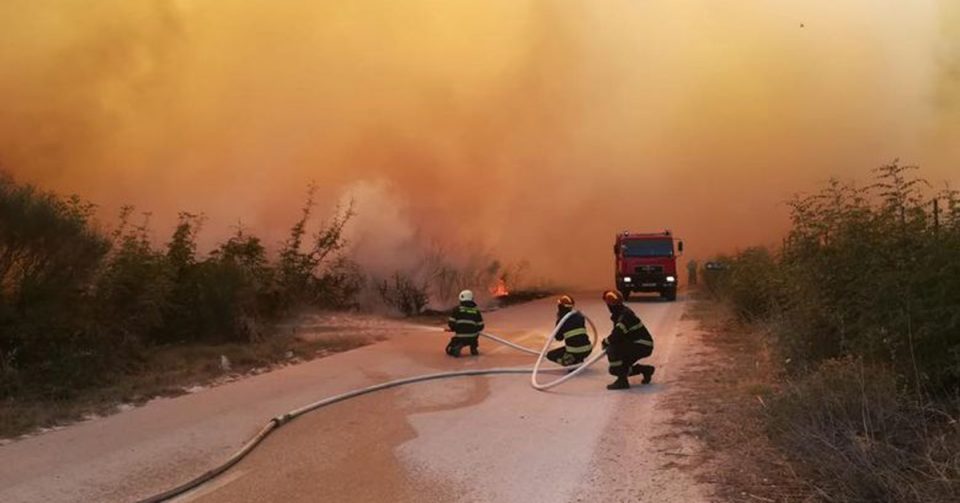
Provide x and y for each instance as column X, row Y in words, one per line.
column 459, row 342
column 566, row 358
column 623, row 356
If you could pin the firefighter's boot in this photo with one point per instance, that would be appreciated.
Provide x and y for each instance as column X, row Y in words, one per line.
column 475, row 350
column 620, row 383
column 647, row 374
column 635, row 370
column 453, row 349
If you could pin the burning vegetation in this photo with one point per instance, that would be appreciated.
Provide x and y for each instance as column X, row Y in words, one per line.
column 499, row 289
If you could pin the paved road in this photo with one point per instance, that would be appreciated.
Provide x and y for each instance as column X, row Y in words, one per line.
column 465, row 439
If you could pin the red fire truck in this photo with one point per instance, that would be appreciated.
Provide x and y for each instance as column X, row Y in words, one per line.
column 647, row 263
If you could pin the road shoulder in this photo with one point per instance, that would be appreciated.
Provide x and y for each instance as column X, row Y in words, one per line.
column 718, row 403
column 642, row 455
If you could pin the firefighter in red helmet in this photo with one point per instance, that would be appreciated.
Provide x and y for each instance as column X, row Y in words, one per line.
column 629, row 341
column 576, row 343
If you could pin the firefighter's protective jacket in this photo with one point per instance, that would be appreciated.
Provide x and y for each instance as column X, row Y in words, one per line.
column 628, row 331
column 466, row 320
column 573, row 333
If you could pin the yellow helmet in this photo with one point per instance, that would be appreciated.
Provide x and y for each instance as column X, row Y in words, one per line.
column 566, row 301
column 613, row 298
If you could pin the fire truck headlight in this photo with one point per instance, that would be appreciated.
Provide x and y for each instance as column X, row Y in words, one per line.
column 671, row 279
column 627, row 279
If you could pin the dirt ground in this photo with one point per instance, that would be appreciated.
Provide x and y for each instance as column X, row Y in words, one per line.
column 185, row 369
column 720, row 403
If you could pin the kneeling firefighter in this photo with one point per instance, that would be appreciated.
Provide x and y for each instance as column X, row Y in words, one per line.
column 629, row 341
column 576, row 343
column 466, row 323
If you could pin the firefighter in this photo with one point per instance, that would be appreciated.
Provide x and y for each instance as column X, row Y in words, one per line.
column 692, row 269
column 573, row 333
column 629, row 341
column 466, row 323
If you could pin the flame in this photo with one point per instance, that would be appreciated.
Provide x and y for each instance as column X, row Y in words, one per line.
column 500, row 289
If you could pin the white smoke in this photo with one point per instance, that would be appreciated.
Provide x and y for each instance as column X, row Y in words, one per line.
column 381, row 237
column 384, row 241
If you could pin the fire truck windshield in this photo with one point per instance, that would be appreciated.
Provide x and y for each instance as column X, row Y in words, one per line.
column 648, row 248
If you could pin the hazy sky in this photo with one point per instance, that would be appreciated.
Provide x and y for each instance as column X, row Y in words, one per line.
column 535, row 129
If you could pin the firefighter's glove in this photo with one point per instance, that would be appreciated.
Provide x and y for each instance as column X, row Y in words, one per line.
column 604, row 343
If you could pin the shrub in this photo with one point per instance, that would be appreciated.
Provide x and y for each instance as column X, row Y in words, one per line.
column 716, row 275
column 859, row 437
column 869, row 271
column 339, row 284
column 232, row 285
column 132, row 293
column 754, row 287
column 404, row 294
column 78, row 306
column 49, row 255
column 864, row 300
column 312, row 274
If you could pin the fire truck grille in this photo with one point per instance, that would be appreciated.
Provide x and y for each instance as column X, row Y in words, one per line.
column 649, row 274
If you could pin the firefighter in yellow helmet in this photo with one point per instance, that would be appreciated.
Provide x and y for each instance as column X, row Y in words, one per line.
column 629, row 341
column 573, row 333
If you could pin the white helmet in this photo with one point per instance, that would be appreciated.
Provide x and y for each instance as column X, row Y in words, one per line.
column 466, row 296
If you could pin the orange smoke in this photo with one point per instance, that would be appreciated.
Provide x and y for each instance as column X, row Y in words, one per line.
column 534, row 128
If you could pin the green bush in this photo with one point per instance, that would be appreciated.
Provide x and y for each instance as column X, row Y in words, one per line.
column 133, row 291
column 310, row 271
column 864, row 300
column 232, row 285
column 78, row 306
column 871, row 271
column 49, row 256
column 753, row 286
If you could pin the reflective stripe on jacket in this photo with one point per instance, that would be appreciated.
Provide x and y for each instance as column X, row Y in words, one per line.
column 628, row 329
column 574, row 334
column 466, row 320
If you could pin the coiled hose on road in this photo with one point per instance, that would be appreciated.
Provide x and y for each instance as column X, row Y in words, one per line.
column 283, row 419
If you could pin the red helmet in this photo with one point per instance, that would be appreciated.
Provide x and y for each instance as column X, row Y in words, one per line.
column 613, row 298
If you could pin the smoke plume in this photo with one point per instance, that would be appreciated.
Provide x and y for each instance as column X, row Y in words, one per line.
column 531, row 129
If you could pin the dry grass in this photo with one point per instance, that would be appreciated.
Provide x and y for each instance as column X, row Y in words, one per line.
column 858, row 436
column 844, row 433
column 166, row 372
column 722, row 403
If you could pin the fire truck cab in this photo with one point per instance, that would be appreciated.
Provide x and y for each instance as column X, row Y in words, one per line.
column 647, row 263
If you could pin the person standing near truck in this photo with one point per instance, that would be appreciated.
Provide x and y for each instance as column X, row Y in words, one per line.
column 692, row 270
column 629, row 341
column 573, row 333
column 466, row 323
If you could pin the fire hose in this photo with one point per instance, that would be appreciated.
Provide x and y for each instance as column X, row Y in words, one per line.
column 283, row 419
column 541, row 355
